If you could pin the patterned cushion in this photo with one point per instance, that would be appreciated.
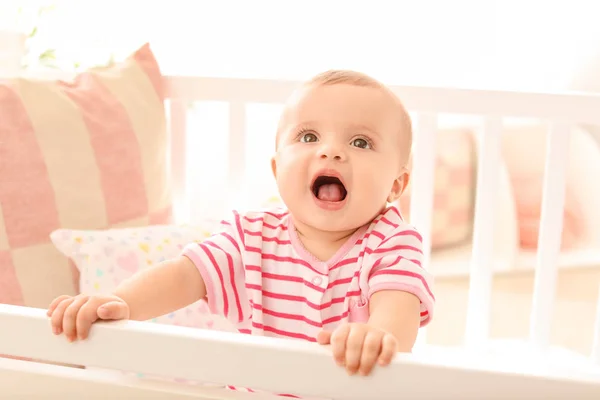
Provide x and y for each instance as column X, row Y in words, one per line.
column 85, row 154
column 105, row 258
column 454, row 188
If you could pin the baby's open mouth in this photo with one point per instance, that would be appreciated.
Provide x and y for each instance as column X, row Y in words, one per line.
column 329, row 188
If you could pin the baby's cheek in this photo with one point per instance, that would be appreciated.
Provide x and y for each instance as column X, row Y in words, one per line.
column 376, row 181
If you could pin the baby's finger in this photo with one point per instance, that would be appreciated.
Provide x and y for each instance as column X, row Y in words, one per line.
column 354, row 346
column 88, row 314
column 113, row 310
column 57, row 315
column 389, row 346
column 338, row 344
column 55, row 303
column 70, row 317
column 324, row 337
column 370, row 352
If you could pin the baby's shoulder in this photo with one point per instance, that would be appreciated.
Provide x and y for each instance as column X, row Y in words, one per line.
column 390, row 224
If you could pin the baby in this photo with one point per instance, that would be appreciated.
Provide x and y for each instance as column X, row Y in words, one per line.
column 338, row 266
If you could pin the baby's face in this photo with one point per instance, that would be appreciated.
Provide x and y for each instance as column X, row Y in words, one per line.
column 339, row 155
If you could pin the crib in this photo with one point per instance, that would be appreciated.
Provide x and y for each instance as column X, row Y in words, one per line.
column 474, row 371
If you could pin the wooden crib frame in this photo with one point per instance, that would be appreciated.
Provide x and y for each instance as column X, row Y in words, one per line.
column 284, row 366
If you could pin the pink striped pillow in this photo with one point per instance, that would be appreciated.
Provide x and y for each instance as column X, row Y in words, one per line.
column 86, row 154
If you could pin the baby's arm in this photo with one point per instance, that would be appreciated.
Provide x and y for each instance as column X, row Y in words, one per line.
column 398, row 313
column 150, row 293
column 211, row 269
column 399, row 287
column 157, row 291
column 400, row 301
column 392, row 327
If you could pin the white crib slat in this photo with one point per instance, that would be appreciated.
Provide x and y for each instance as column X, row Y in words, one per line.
column 596, row 341
column 480, row 287
column 422, row 181
column 237, row 153
column 551, row 225
column 177, row 125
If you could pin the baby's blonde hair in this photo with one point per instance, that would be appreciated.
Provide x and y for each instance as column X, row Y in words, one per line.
column 341, row 76
column 355, row 78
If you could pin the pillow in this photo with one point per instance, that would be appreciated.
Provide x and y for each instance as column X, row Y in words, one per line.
column 84, row 154
column 454, row 188
column 456, row 260
column 105, row 258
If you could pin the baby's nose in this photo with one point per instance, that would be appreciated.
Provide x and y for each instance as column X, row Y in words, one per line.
column 334, row 152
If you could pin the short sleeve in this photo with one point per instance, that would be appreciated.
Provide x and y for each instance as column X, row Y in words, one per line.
column 219, row 261
column 396, row 264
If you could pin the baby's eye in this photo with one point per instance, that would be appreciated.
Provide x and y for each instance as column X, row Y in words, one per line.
column 361, row 143
column 308, row 138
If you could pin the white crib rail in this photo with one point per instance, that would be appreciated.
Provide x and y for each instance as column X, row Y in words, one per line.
column 284, row 366
column 577, row 107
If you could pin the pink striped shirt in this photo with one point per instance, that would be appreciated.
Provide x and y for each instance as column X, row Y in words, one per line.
column 261, row 278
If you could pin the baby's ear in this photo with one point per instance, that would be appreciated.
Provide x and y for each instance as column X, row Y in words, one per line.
column 274, row 166
column 400, row 183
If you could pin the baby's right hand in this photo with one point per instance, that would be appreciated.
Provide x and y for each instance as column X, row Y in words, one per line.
column 75, row 315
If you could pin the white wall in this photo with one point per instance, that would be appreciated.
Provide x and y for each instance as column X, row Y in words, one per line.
column 12, row 48
column 522, row 44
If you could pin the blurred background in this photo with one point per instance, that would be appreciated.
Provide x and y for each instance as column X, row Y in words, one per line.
column 522, row 45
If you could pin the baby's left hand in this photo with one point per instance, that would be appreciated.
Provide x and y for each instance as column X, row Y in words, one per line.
column 357, row 347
